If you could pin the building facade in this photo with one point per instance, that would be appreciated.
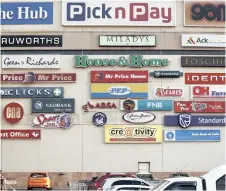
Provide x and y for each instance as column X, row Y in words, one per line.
column 180, row 54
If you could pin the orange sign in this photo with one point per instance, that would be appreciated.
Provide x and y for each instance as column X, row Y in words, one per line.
column 204, row 13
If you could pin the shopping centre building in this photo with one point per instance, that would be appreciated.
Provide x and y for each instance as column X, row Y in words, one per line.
column 127, row 77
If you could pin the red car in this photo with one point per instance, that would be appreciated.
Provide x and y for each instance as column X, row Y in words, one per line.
column 95, row 185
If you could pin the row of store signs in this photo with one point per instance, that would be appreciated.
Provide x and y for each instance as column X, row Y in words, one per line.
column 87, row 13
column 85, row 61
column 187, row 40
column 131, row 134
column 115, row 91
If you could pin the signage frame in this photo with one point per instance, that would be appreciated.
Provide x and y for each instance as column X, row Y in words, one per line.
column 35, row 133
column 114, row 44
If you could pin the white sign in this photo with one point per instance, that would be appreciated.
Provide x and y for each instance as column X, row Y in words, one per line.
column 168, row 92
column 121, row 13
column 127, row 40
column 200, row 91
column 30, row 61
column 63, row 121
column 202, row 40
column 138, row 117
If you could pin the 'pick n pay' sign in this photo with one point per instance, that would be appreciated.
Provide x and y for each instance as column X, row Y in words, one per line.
column 26, row 13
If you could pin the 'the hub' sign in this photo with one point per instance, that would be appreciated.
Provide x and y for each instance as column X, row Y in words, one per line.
column 153, row 13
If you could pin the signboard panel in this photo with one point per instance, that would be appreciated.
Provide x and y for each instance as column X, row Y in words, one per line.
column 32, row 92
column 166, row 74
column 31, row 40
column 119, row 91
column 127, row 40
column 200, row 91
column 168, row 92
column 31, row 77
column 30, row 61
column 133, row 133
column 123, row 13
column 192, row 135
column 133, row 76
column 203, row 40
column 199, row 106
column 204, row 13
column 20, row 134
column 53, row 105
column 196, row 120
column 128, row 61
column 13, row 112
column 26, row 13
column 146, row 105
column 202, row 61
column 205, row 78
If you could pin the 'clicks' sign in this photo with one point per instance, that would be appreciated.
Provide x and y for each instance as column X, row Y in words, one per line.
column 26, row 13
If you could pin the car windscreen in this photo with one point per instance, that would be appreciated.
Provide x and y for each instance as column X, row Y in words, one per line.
column 160, row 185
column 148, row 177
column 38, row 175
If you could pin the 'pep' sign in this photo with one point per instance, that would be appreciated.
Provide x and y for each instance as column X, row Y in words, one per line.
column 161, row 13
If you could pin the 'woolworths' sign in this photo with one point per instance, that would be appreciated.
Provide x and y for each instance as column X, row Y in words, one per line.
column 133, row 61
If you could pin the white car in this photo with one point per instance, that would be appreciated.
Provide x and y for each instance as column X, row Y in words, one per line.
column 111, row 182
column 129, row 188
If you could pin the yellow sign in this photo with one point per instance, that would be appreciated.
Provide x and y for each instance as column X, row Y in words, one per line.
column 133, row 133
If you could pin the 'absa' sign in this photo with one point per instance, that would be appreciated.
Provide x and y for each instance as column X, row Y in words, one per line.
column 157, row 13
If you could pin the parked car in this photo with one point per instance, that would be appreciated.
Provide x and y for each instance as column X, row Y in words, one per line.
column 111, row 182
column 96, row 184
column 178, row 174
column 129, row 188
column 214, row 180
column 39, row 180
column 89, row 183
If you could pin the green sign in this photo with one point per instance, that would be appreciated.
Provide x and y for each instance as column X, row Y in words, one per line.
column 134, row 61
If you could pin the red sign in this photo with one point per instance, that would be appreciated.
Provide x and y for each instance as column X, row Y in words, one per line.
column 203, row 91
column 199, row 106
column 205, row 78
column 31, row 77
column 119, row 76
column 13, row 112
column 20, row 134
column 101, row 105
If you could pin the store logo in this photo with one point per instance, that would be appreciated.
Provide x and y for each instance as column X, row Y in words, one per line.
column 208, row 92
column 205, row 78
column 184, row 120
column 20, row 134
column 53, row 121
column 190, row 41
column 119, row 90
column 99, row 119
column 109, row 13
column 57, row 92
column 168, row 92
column 13, row 112
column 101, row 105
column 128, row 105
column 138, row 117
column 38, row 105
column 166, row 74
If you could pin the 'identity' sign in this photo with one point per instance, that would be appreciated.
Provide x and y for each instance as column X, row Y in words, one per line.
column 32, row 92
column 26, row 13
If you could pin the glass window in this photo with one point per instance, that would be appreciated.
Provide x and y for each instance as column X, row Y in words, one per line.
column 145, row 189
column 136, row 182
column 182, row 186
column 38, row 175
column 144, row 184
column 128, row 188
column 122, row 182
column 220, row 184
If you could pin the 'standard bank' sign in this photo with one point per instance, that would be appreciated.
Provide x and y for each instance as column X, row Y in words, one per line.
column 31, row 41
column 130, row 61
column 53, row 105
column 202, row 61
column 127, row 40
column 30, row 61
column 32, row 92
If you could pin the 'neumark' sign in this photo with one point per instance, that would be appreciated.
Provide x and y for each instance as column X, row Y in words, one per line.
column 127, row 40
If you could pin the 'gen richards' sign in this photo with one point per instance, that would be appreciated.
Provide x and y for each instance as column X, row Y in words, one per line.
column 113, row 13
column 26, row 13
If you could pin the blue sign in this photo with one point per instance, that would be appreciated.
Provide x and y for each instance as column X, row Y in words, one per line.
column 146, row 105
column 26, row 13
column 99, row 119
column 186, row 120
column 192, row 135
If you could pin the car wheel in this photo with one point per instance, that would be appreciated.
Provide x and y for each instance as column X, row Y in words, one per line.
column 49, row 188
column 30, row 188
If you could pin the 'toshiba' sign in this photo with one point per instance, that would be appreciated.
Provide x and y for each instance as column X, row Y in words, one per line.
column 130, row 61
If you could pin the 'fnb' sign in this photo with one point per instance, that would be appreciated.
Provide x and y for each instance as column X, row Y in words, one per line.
column 110, row 13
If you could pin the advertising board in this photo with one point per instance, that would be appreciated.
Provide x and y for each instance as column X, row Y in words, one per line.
column 205, row 78
column 203, row 91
